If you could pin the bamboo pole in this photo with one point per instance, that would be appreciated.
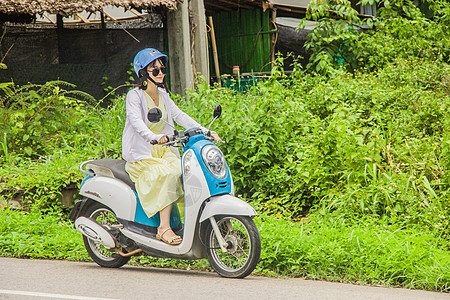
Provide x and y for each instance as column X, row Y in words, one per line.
column 214, row 48
column 108, row 15
column 82, row 18
column 50, row 20
column 273, row 38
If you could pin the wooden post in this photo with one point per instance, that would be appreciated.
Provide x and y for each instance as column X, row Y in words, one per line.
column 273, row 39
column 178, row 30
column 102, row 19
column 199, row 39
column 104, row 37
column 59, row 22
column 214, row 49
column 59, row 33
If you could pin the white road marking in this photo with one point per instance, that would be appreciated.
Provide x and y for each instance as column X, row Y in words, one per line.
column 47, row 295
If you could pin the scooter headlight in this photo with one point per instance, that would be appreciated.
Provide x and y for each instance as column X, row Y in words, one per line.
column 215, row 161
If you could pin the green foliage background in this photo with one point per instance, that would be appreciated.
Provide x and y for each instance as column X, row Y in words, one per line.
column 369, row 143
column 347, row 159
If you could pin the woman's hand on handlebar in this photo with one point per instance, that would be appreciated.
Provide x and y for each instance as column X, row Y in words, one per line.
column 163, row 140
column 216, row 137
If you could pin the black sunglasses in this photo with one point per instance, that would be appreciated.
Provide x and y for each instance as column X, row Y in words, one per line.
column 155, row 71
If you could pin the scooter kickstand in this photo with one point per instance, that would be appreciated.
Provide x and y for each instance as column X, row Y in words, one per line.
column 222, row 243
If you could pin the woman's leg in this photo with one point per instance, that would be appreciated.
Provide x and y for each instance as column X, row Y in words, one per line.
column 164, row 216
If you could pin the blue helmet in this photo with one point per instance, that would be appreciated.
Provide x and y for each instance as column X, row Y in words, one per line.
column 146, row 56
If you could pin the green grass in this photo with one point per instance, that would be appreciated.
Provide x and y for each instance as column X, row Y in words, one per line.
column 366, row 252
column 38, row 235
column 320, row 247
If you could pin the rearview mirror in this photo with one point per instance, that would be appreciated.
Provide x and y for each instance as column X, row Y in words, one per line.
column 217, row 111
column 154, row 115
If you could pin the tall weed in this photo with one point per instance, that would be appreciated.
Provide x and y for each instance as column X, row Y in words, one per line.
column 365, row 251
column 33, row 116
column 369, row 143
column 46, row 132
column 321, row 247
column 38, row 235
column 400, row 30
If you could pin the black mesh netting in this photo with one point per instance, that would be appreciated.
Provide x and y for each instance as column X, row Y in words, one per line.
column 84, row 57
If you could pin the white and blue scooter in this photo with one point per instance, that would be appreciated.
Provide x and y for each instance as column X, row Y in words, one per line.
column 217, row 225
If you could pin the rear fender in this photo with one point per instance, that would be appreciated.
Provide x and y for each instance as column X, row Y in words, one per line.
column 113, row 193
column 79, row 209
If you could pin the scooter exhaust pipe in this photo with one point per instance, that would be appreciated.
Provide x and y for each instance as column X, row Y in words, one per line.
column 94, row 231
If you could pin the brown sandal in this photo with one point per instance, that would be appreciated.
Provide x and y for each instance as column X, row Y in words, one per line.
column 171, row 240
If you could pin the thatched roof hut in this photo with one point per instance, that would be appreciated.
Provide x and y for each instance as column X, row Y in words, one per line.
column 71, row 7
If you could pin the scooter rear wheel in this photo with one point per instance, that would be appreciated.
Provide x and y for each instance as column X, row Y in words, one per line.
column 99, row 254
column 244, row 246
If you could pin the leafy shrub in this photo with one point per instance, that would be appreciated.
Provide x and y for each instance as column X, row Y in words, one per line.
column 369, row 143
column 364, row 143
column 45, row 133
column 400, row 30
column 33, row 116
column 403, row 38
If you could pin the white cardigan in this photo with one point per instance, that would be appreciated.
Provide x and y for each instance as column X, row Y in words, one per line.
column 137, row 136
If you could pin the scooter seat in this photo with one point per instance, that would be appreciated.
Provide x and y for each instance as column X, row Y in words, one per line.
column 115, row 166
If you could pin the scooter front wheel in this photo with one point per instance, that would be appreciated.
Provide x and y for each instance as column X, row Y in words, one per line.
column 99, row 254
column 243, row 249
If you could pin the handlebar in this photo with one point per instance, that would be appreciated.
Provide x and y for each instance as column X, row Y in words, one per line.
column 155, row 142
column 179, row 137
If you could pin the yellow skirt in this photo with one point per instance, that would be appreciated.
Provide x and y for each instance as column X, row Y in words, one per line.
column 157, row 179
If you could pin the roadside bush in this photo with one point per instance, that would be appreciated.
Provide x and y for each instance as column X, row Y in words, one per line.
column 45, row 133
column 328, row 247
column 369, row 143
column 342, row 40
column 33, row 116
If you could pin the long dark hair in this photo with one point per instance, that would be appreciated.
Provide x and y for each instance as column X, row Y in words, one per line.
column 143, row 76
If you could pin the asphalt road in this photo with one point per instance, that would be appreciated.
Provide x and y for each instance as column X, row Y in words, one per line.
column 50, row 279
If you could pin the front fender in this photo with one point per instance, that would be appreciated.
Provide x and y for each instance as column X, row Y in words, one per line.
column 226, row 205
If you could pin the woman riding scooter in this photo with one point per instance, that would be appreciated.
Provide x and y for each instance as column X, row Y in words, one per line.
column 154, row 169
